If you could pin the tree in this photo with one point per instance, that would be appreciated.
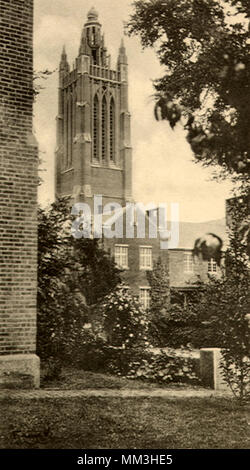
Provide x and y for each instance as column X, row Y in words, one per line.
column 72, row 274
column 204, row 46
column 158, row 280
column 98, row 274
column 227, row 302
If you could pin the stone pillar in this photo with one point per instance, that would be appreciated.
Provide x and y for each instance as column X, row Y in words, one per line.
column 19, row 366
column 125, row 133
column 210, row 371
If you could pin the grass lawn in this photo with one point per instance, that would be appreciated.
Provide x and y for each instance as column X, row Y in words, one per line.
column 77, row 379
column 115, row 423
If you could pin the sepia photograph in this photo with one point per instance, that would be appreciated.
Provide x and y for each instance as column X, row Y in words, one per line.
column 124, row 231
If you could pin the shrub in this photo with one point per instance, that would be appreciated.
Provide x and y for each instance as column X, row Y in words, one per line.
column 164, row 367
column 182, row 326
column 124, row 320
column 64, row 264
column 91, row 353
column 227, row 300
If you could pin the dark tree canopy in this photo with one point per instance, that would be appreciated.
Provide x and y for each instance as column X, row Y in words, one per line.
column 72, row 275
column 204, row 46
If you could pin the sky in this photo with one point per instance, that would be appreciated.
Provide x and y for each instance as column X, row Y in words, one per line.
column 163, row 167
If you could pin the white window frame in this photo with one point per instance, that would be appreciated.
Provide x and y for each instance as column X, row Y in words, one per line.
column 143, row 258
column 144, row 299
column 188, row 263
column 120, row 262
column 212, row 267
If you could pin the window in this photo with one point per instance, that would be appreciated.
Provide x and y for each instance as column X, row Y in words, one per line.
column 104, row 128
column 121, row 256
column 146, row 257
column 212, row 266
column 112, row 130
column 68, row 132
column 188, row 263
column 74, row 116
column 70, row 125
column 95, row 129
column 94, row 56
column 145, row 296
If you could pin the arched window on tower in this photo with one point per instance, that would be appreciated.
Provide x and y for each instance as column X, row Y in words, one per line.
column 74, row 116
column 65, row 131
column 112, row 130
column 96, row 129
column 69, row 131
column 104, row 128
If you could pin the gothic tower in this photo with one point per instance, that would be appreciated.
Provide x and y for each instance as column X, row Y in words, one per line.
column 93, row 154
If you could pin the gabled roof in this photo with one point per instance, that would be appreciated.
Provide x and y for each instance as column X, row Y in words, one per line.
column 190, row 231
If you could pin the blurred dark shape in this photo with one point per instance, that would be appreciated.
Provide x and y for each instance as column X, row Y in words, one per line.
column 207, row 247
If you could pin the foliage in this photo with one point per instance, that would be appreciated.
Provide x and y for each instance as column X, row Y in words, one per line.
column 71, row 274
column 176, row 324
column 125, row 351
column 204, row 47
column 124, row 320
column 37, row 80
column 97, row 272
column 165, row 366
column 227, row 300
column 208, row 247
column 158, row 280
column 185, row 326
column 91, row 352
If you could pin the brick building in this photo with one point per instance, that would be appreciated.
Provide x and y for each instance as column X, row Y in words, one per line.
column 19, row 366
column 94, row 157
column 136, row 256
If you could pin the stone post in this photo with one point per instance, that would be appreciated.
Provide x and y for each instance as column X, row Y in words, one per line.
column 210, row 371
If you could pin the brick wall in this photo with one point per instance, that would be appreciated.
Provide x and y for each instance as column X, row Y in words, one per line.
column 134, row 276
column 173, row 258
column 18, row 181
column 179, row 276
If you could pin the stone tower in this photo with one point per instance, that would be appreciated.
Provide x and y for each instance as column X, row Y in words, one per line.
column 93, row 154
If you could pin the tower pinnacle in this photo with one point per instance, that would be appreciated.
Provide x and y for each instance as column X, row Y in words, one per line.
column 64, row 62
column 63, row 55
column 92, row 14
column 122, row 57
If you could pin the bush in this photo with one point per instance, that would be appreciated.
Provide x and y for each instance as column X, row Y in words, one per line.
column 120, row 345
column 227, row 300
column 64, row 264
column 125, row 322
column 183, row 327
column 91, row 353
column 163, row 367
